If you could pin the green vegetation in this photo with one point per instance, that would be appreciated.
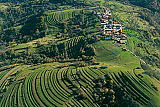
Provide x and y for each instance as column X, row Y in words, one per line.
column 153, row 5
column 112, row 55
column 59, row 85
column 57, row 17
column 61, row 45
column 142, row 32
column 51, row 54
column 3, row 6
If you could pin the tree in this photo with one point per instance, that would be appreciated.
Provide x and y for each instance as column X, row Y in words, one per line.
column 106, row 93
column 64, row 28
column 56, row 51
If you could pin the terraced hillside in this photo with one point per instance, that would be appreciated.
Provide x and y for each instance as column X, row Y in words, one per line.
column 57, row 17
column 60, row 67
column 48, row 85
column 137, row 85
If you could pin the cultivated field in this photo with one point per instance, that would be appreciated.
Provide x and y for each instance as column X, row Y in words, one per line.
column 48, row 85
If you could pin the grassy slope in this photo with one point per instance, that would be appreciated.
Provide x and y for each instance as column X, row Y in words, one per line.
column 108, row 53
column 113, row 56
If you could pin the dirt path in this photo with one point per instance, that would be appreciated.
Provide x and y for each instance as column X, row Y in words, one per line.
column 8, row 73
column 136, row 56
column 35, row 93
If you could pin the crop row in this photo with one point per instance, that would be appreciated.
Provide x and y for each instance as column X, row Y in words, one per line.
column 134, row 86
column 58, row 17
column 52, row 87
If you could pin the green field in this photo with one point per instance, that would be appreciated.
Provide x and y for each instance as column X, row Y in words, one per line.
column 111, row 55
column 58, row 66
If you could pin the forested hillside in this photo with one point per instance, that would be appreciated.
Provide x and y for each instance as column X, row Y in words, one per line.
column 151, row 4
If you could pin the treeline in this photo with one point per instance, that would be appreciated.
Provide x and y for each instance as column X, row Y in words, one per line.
column 79, row 48
column 74, row 48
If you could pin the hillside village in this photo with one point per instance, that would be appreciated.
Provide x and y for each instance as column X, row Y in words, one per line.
column 111, row 28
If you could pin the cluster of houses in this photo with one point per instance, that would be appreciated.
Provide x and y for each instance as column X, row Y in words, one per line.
column 111, row 28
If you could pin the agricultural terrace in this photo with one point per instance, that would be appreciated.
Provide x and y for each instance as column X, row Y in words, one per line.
column 48, row 85
column 71, row 83
column 57, row 17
